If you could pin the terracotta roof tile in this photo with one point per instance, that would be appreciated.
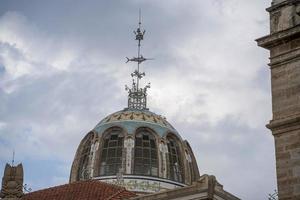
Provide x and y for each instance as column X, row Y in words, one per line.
column 81, row 190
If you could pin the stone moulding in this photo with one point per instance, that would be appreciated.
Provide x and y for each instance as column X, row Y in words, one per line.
column 206, row 188
column 284, row 125
column 285, row 58
column 284, row 3
column 277, row 38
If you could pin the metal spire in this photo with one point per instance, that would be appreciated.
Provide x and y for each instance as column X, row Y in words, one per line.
column 137, row 96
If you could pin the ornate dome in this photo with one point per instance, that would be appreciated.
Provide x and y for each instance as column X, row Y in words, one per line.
column 137, row 149
column 134, row 147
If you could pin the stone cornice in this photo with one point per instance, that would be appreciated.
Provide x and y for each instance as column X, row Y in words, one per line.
column 278, row 5
column 278, row 38
column 284, row 125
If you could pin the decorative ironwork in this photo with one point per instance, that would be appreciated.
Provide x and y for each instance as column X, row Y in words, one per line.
column 137, row 96
column 27, row 189
column 273, row 196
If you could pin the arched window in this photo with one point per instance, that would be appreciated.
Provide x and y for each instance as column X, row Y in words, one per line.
column 175, row 169
column 193, row 164
column 145, row 153
column 190, row 165
column 84, row 169
column 111, row 156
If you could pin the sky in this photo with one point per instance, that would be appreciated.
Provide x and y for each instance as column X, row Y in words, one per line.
column 62, row 70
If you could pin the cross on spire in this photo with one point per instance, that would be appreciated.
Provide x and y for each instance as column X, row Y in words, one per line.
column 137, row 96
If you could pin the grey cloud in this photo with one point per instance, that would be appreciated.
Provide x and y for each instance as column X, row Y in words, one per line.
column 208, row 78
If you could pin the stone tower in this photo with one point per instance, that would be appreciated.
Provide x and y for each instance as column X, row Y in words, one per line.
column 284, row 45
column 12, row 182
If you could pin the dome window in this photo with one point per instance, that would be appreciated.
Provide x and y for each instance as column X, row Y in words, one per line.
column 111, row 156
column 174, row 162
column 145, row 154
column 84, row 169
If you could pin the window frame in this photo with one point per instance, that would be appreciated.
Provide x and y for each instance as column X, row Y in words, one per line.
column 147, row 161
column 112, row 150
column 84, row 158
column 174, row 173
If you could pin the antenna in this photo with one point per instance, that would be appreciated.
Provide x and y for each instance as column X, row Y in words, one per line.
column 136, row 95
column 13, row 159
column 140, row 21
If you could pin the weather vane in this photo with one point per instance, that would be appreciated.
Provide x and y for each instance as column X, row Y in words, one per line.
column 137, row 97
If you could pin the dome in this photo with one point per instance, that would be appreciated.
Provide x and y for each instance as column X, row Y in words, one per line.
column 137, row 149
column 131, row 119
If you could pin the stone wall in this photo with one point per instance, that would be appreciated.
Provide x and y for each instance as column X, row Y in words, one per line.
column 288, row 164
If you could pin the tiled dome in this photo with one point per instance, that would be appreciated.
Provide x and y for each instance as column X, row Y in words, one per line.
column 131, row 119
column 137, row 149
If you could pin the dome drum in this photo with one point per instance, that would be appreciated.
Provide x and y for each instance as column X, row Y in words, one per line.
column 141, row 184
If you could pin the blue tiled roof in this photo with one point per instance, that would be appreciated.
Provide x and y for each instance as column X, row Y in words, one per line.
column 131, row 119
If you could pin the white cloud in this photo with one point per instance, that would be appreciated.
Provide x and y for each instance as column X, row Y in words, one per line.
column 213, row 75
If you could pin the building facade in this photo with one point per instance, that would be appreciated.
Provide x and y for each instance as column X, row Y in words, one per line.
column 284, row 45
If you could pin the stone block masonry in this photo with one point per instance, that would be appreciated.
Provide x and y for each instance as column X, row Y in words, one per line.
column 284, row 45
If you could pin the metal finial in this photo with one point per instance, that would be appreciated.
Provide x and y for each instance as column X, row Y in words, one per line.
column 136, row 95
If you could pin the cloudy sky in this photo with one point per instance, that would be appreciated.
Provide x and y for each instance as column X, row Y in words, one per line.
column 62, row 69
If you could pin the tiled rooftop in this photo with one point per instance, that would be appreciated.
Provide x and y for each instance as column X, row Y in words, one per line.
column 81, row 190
